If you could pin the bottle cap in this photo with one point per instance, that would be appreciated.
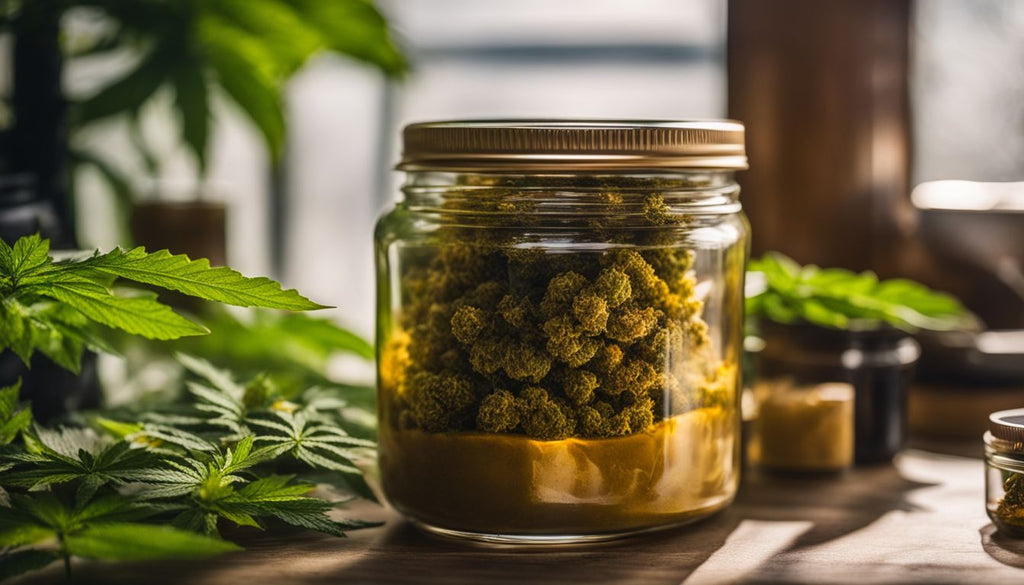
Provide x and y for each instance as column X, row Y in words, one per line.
column 1007, row 425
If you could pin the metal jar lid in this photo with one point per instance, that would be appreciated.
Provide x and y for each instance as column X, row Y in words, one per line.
column 573, row 145
column 1007, row 425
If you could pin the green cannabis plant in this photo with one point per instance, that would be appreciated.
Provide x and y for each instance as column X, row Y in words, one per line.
column 161, row 484
column 840, row 299
column 60, row 308
column 125, row 484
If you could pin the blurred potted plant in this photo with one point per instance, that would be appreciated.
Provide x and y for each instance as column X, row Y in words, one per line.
column 827, row 327
column 194, row 50
column 243, row 50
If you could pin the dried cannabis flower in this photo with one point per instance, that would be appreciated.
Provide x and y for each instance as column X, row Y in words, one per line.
column 579, row 386
column 501, row 338
column 498, row 412
column 1010, row 510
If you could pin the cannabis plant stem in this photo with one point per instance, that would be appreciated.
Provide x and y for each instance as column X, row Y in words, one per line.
column 66, row 556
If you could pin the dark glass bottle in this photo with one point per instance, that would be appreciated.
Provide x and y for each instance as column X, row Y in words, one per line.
column 878, row 362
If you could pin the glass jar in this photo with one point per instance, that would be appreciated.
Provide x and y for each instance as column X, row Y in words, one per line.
column 560, row 309
column 803, row 401
column 1004, row 471
column 828, row 397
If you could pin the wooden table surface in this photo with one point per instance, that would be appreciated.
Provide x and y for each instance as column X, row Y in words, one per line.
column 920, row 521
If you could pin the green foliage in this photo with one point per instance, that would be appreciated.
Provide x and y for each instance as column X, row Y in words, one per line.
column 136, row 542
column 244, row 48
column 195, row 278
column 161, row 483
column 60, row 308
column 837, row 298
column 292, row 348
column 14, row 418
column 312, row 428
column 54, row 457
column 106, row 526
column 195, row 50
column 213, row 486
column 317, row 443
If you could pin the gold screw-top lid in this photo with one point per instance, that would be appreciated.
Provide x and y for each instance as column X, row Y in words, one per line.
column 1007, row 425
column 573, row 145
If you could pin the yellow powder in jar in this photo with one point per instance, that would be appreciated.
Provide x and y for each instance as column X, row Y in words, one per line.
column 803, row 427
column 679, row 469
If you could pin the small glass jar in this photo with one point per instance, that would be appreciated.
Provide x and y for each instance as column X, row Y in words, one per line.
column 560, row 309
column 1004, row 471
column 827, row 398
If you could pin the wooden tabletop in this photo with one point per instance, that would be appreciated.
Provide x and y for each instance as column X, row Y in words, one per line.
column 920, row 521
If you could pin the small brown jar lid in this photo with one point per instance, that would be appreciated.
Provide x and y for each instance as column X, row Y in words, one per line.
column 1007, row 425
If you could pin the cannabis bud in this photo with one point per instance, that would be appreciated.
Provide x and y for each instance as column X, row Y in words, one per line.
column 504, row 339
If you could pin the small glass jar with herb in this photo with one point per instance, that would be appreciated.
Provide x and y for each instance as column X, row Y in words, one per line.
column 835, row 363
column 1004, row 471
column 559, row 327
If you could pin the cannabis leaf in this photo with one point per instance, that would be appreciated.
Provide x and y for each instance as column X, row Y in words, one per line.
column 272, row 341
column 28, row 256
column 136, row 542
column 58, row 331
column 105, row 527
column 74, row 455
column 146, row 487
column 282, row 498
column 162, row 484
column 60, row 308
column 244, row 48
column 312, row 428
column 14, row 418
column 833, row 297
column 141, row 315
column 222, row 400
column 317, row 444
column 205, row 474
column 196, row 278
column 286, row 357
column 219, row 487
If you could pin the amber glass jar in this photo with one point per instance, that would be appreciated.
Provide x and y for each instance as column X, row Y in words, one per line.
column 560, row 309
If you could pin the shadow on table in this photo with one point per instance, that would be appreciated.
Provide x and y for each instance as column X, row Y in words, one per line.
column 406, row 555
column 834, row 505
column 400, row 554
column 1006, row 550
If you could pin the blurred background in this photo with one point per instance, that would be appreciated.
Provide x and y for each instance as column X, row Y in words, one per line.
column 261, row 133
